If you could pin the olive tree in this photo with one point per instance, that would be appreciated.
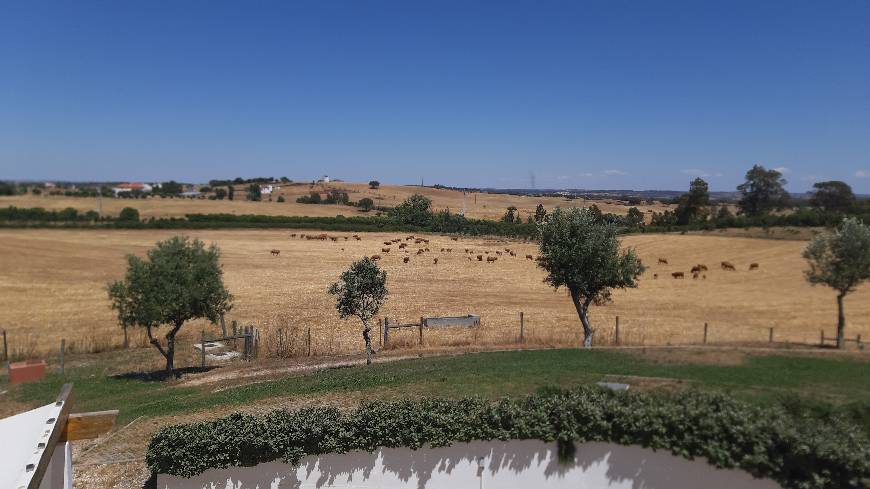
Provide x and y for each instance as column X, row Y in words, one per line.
column 582, row 254
column 840, row 260
column 179, row 280
column 360, row 292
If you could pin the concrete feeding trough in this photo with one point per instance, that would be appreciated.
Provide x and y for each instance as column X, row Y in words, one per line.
column 614, row 386
column 223, row 356
column 209, row 345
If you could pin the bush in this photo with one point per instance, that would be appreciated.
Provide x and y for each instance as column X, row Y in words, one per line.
column 374, row 184
column 280, row 198
column 366, row 204
column 766, row 442
column 129, row 214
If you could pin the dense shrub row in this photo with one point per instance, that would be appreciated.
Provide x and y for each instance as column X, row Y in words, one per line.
column 765, row 442
column 38, row 214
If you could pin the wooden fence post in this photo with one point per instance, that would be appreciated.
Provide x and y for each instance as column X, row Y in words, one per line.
column 522, row 327
column 5, row 349
column 386, row 331
column 381, row 334
column 309, row 342
column 616, row 337
column 705, row 333
column 223, row 326
column 822, row 332
column 62, row 348
column 770, row 336
column 202, row 349
column 421, row 331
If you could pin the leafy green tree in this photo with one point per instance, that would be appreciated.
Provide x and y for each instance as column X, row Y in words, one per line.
column 540, row 213
column 763, row 191
column 231, row 192
column 366, row 204
column 583, row 255
column 509, row 215
column 8, row 188
column 416, row 210
column 280, row 198
column 129, row 214
column 254, row 192
column 179, row 280
column 170, row 188
column 832, row 196
column 374, row 184
column 634, row 218
column 840, row 260
column 220, row 193
column 285, row 180
column 360, row 292
column 691, row 206
column 723, row 213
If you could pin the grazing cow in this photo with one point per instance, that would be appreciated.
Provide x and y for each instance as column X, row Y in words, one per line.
column 275, row 252
column 529, row 257
column 293, row 235
column 333, row 238
column 702, row 267
column 342, row 249
column 513, row 254
column 402, row 245
column 345, row 238
column 696, row 269
column 469, row 258
column 753, row 266
column 678, row 275
column 695, row 275
column 388, row 243
column 406, row 259
column 442, row 250
column 376, row 257
column 663, row 261
column 498, row 253
column 449, row 250
column 728, row 266
column 427, row 250
column 455, row 239
column 479, row 257
column 435, row 261
column 704, row 276
column 385, row 250
column 655, row 276
column 419, row 252
column 491, row 259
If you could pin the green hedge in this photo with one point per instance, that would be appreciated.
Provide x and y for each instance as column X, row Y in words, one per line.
column 766, row 442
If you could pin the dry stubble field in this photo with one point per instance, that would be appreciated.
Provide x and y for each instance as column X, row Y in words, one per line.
column 478, row 205
column 52, row 285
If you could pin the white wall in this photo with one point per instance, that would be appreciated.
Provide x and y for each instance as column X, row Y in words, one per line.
column 491, row 465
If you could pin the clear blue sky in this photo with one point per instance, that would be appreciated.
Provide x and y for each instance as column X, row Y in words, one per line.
column 603, row 94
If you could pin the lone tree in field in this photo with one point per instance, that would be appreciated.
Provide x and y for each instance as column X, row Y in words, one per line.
column 360, row 292
column 179, row 280
column 366, row 204
column 374, row 184
column 582, row 254
column 762, row 192
column 840, row 260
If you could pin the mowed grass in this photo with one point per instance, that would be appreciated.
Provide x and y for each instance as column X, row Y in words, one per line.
column 53, row 286
column 829, row 383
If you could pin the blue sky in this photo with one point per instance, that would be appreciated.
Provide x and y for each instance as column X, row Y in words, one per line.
column 606, row 94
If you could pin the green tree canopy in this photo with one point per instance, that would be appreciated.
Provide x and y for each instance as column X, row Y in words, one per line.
column 416, row 210
column 540, row 213
column 366, row 204
column 840, row 260
column 634, row 217
column 129, row 214
column 762, row 192
column 360, row 292
column 374, row 184
column 832, row 196
column 692, row 206
column 254, row 192
column 582, row 254
column 179, row 280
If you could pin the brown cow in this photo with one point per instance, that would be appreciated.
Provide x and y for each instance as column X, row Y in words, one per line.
column 753, row 266
column 388, row 243
column 695, row 275
column 702, row 267
column 513, row 254
column 655, row 276
column 491, row 259
column 275, row 252
column 376, row 257
column 678, row 275
column 405, row 260
column 402, row 245
column 479, row 257
column 663, row 261
column 419, row 252
column 435, row 261
column 728, row 266
column 455, row 239
column 293, row 235
column 529, row 257
column 696, row 269
column 333, row 238
column 385, row 250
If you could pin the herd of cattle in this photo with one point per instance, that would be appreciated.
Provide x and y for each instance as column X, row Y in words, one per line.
column 699, row 269
column 403, row 243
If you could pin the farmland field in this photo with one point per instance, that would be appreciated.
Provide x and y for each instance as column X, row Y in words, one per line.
column 477, row 205
column 53, row 286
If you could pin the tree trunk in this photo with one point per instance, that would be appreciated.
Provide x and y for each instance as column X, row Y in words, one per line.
column 368, row 340
column 841, row 322
column 582, row 307
column 170, row 352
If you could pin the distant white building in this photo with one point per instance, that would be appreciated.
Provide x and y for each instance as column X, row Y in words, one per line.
column 129, row 187
column 325, row 179
column 267, row 189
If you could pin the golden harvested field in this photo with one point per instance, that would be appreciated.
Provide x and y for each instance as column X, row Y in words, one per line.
column 52, row 285
column 477, row 205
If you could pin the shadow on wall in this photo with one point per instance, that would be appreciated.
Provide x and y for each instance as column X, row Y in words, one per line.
column 495, row 464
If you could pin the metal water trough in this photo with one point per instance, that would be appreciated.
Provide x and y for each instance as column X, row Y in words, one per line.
column 468, row 321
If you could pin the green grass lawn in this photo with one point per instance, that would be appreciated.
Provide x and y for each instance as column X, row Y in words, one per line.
column 816, row 383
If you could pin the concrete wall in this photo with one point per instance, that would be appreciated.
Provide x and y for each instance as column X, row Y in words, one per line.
column 490, row 465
